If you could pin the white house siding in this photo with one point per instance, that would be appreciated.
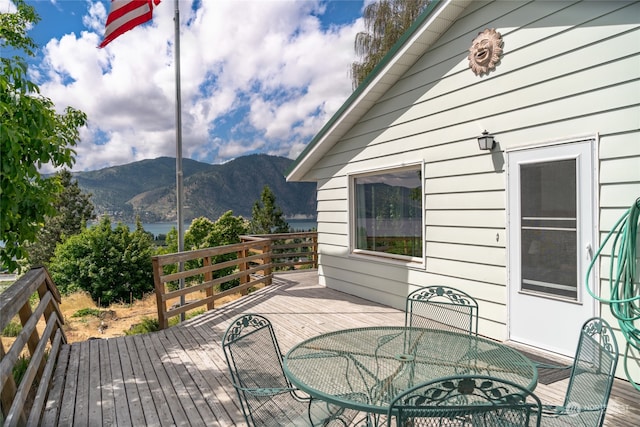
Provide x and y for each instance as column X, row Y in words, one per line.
column 568, row 69
column 619, row 187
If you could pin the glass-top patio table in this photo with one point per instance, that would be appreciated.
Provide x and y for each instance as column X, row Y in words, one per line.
column 365, row 368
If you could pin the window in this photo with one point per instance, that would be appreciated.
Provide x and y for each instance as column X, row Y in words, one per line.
column 387, row 213
column 549, row 234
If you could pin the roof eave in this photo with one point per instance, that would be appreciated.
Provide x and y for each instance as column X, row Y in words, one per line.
column 427, row 29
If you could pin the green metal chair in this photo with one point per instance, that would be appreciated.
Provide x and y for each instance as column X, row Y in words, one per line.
column 442, row 307
column 267, row 398
column 591, row 379
column 466, row 400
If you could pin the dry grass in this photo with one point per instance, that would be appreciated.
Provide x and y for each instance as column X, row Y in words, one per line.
column 113, row 321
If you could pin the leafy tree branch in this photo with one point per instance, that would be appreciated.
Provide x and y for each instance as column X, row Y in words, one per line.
column 32, row 134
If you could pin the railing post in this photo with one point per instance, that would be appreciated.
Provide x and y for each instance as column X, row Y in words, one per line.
column 267, row 260
column 53, row 308
column 314, row 248
column 208, row 276
column 162, row 308
column 242, row 266
column 33, row 340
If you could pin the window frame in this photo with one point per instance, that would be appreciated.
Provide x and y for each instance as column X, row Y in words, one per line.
column 411, row 261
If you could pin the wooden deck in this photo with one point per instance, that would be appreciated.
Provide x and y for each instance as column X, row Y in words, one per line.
column 178, row 376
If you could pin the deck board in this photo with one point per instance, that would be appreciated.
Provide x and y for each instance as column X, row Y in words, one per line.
column 143, row 383
column 171, row 399
column 159, row 412
column 123, row 417
column 107, row 404
column 81, row 414
column 190, row 395
column 68, row 403
column 54, row 399
column 180, row 377
column 206, row 383
column 95, row 392
column 212, row 362
column 130, row 384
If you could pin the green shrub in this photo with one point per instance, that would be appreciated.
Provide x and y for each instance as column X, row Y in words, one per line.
column 83, row 312
column 176, row 319
column 145, row 326
column 13, row 329
column 151, row 325
column 20, row 368
column 111, row 264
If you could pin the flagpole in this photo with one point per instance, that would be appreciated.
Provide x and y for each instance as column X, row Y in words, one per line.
column 179, row 185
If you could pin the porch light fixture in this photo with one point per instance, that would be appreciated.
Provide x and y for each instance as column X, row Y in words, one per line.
column 486, row 141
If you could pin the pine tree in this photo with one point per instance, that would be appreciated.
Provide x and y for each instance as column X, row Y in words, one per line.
column 73, row 210
column 266, row 216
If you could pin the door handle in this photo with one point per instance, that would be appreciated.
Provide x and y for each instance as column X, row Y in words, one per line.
column 589, row 252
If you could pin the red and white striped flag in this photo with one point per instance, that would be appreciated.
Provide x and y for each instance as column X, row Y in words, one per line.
column 126, row 15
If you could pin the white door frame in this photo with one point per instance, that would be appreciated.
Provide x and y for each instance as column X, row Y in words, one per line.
column 542, row 152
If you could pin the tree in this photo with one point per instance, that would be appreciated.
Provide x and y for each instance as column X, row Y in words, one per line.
column 227, row 230
column 385, row 22
column 111, row 264
column 203, row 233
column 73, row 210
column 32, row 133
column 266, row 216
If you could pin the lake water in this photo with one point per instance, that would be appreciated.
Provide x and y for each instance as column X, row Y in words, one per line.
column 157, row 228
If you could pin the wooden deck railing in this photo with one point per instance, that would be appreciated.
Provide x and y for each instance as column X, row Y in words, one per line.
column 290, row 249
column 181, row 278
column 39, row 343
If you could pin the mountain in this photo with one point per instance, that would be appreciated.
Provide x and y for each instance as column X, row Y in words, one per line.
column 148, row 188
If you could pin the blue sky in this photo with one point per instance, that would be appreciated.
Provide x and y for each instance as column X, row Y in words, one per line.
column 257, row 76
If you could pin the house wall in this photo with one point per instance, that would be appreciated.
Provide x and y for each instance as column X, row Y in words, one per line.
column 568, row 69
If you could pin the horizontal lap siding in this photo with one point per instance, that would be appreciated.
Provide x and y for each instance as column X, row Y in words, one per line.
column 332, row 216
column 567, row 70
column 619, row 182
column 476, row 254
column 441, row 113
column 619, row 188
column 465, row 236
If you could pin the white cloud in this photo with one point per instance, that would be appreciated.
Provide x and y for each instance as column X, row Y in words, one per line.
column 7, row 6
column 255, row 76
column 95, row 18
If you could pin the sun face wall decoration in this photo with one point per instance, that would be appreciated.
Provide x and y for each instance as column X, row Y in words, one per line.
column 485, row 51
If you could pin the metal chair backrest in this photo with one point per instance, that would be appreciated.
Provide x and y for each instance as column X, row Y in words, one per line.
column 593, row 373
column 255, row 362
column 466, row 400
column 442, row 307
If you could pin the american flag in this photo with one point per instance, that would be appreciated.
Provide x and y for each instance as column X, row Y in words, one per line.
column 126, row 15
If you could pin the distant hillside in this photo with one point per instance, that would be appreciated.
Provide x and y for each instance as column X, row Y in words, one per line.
column 147, row 188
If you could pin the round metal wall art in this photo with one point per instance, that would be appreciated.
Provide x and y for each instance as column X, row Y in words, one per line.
column 485, row 51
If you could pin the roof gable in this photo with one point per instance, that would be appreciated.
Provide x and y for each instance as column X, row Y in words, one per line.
column 428, row 28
